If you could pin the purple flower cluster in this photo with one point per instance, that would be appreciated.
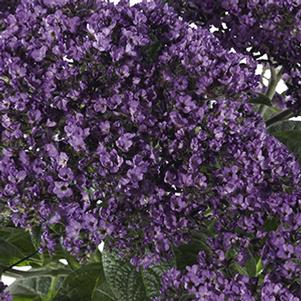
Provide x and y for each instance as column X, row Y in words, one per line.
column 258, row 27
column 251, row 197
column 124, row 124
column 4, row 296
column 98, row 107
column 205, row 282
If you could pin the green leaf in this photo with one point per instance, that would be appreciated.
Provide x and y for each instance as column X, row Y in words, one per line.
column 271, row 224
column 251, row 267
column 129, row 284
column 152, row 279
column 31, row 287
column 15, row 244
column 254, row 266
column 270, row 112
column 124, row 280
column 102, row 291
column 261, row 99
column 18, row 298
column 19, row 238
column 80, row 284
column 289, row 133
column 241, row 270
column 259, row 267
column 9, row 253
column 187, row 254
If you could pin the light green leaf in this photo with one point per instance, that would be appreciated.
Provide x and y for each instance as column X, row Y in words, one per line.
column 259, row 267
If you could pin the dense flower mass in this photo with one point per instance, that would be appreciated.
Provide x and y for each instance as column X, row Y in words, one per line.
column 257, row 27
column 96, row 101
column 125, row 124
column 4, row 296
column 205, row 281
column 254, row 204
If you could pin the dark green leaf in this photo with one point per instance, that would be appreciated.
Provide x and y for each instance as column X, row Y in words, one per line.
column 254, row 266
column 9, row 253
column 262, row 100
column 152, row 279
column 102, row 291
column 186, row 255
column 251, row 267
column 125, row 282
column 19, row 238
column 15, row 244
column 21, row 298
column 80, row 284
column 271, row 224
column 289, row 133
column 241, row 270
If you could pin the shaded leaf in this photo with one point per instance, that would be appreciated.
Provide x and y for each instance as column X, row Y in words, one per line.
column 261, row 99
column 270, row 112
column 289, row 133
column 271, row 224
column 15, row 244
column 187, row 255
column 251, row 267
column 102, row 291
column 152, row 279
column 80, row 284
column 254, row 266
column 124, row 280
column 31, row 287
column 9, row 253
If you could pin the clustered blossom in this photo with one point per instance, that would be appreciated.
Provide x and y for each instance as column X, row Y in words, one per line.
column 257, row 27
column 252, row 193
column 4, row 295
column 96, row 101
column 124, row 124
column 205, row 282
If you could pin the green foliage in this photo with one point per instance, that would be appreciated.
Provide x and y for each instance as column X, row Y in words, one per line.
column 261, row 99
column 129, row 284
column 187, row 255
column 15, row 244
column 80, row 284
column 289, row 133
column 37, row 288
column 125, row 282
column 104, row 277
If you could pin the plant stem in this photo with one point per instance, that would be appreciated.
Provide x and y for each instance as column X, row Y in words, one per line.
column 52, row 289
column 271, row 89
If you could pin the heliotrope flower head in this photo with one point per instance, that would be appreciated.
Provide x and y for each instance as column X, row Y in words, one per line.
column 124, row 124
column 271, row 28
column 98, row 105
